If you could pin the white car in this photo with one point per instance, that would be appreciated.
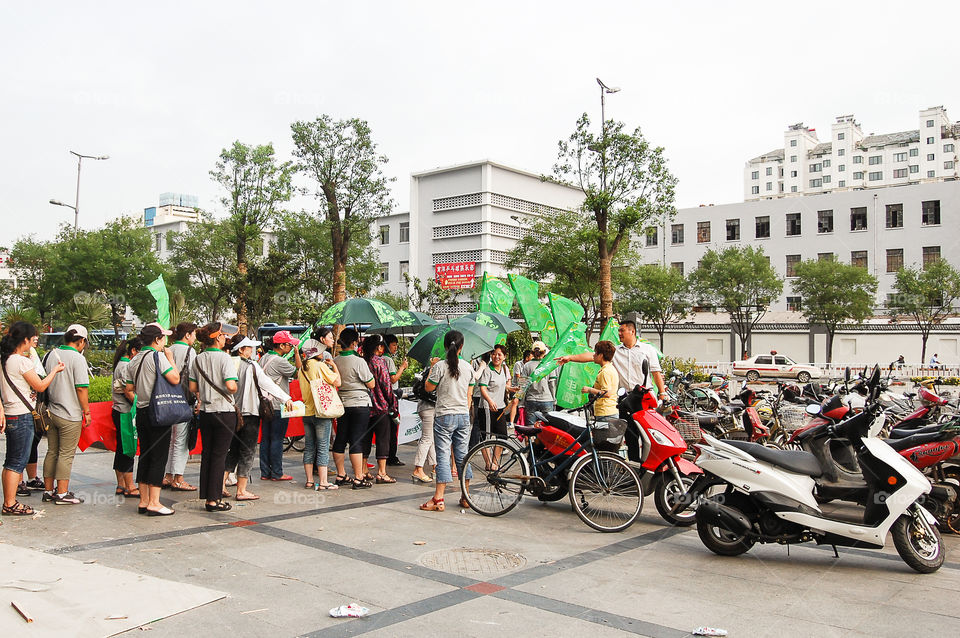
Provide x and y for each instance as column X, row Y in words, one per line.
column 775, row 366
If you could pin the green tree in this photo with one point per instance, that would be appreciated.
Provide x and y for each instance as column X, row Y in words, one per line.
column 927, row 296
column 14, row 313
column 90, row 310
column 34, row 263
column 256, row 185
column 741, row 281
column 202, row 259
column 427, row 296
column 659, row 294
column 833, row 293
column 341, row 161
column 626, row 185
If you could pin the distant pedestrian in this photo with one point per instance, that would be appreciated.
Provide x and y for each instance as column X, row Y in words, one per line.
column 356, row 383
column 184, row 336
column 383, row 407
column 392, row 345
column 122, row 405
column 426, row 451
column 934, row 361
column 276, row 366
column 318, row 365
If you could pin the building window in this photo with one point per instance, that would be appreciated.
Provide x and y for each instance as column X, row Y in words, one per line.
column 816, row 183
column 894, row 259
column 384, row 273
column 875, row 159
column 841, row 168
column 948, row 165
column 914, row 152
column 894, row 215
column 858, row 258
column 793, row 189
column 899, row 157
column 678, row 266
column 384, row 235
column 404, row 232
column 824, row 221
column 858, row 218
column 676, row 234
column 404, row 270
column 930, row 140
column 793, row 142
column 914, row 168
column 931, row 157
column 931, row 254
column 769, row 170
column 792, row 261
column 816, row 168
column 826, row 179
column 876, row 175
column 793, row 224
column 842, row 183
column 930, row 212
column 762, row 229
column 159, row 245
column 826, row 163
column 793, row 304
column 841, row 152
column 652, row 236
column 754, row 190
column 825, row 256
column 899, row 172
column 793, row 158
column 929, row 123
column 858, row 159
column 769, row 186
column 733, row 230
column 931, row 173
column 858, row 175
column 755, row 175
column 840, row 136
column 793, row 173
column 703, row 232
column 948, row 148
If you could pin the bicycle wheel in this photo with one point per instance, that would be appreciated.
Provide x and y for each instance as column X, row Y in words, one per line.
column 498, row 469
column 605, row 494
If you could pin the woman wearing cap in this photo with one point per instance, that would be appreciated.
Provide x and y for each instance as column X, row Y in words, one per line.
column 316, row 448
column 383, row 405
column 184, row 335
column 539, row 396
column 213, row 378
column 251, row 384
column 123, row 458
column 154, row 441
column 69, row 409
column 281, row 372
column 355, row 381
column 452, row 378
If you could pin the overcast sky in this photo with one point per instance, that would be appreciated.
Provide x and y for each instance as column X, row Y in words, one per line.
column 163, row 87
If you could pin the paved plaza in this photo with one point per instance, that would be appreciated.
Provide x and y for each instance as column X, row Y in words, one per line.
column 284, row 561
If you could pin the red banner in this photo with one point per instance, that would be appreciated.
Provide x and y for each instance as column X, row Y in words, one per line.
column 456, row 276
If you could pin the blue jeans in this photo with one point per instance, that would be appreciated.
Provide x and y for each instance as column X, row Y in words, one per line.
column 271, row 446
column 531, row 407
column 451, row 430
column 316, row 441
column 19, row 440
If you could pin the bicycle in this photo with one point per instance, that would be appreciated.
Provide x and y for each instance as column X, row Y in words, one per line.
column 295, row 442
column 559, row 455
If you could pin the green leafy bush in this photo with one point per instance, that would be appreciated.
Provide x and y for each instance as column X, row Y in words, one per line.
column 669, row 364
column 101, row 389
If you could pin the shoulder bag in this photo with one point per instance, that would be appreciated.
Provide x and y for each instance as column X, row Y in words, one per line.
column 326, row 400
column 40, row 420
column 168, row 403
column 222, row 393
column 265, row 405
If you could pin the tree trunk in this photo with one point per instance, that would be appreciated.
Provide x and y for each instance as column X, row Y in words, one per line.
column 242, row 298
column 829, row 346
column 606, row 290
column 661, row 328
column 924, row 335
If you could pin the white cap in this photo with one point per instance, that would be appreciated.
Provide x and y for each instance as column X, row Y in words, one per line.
column 539, row 346
column 80, row 330
column 247, row 341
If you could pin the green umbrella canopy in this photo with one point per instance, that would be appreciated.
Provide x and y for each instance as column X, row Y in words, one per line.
column 500, row 323
column 406, row 323
column 477, row 339
column 357, row 311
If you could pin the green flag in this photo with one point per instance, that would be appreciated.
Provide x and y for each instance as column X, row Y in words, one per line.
column 610, row 332
column 495, row 296
column 573, row 376
column 159, row 291
column 528, row 298
column 549, row 334
column 572, row 341
column 565, row 311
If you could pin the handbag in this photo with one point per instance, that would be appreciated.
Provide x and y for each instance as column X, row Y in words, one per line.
column 265, row 407
column 326, row 400
column 168, row 402
column 222, row 393
column 40, row 418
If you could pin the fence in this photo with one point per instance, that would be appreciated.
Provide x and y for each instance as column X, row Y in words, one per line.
column 835, row 370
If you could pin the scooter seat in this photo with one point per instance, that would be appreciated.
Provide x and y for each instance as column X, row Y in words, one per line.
column 912, row 441
column 902, row 433
column 732, row 408
column 570, row 423
column 795, row 461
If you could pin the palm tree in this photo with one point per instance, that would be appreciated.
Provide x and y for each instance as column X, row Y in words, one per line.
column 90, row 312
column 13, row 313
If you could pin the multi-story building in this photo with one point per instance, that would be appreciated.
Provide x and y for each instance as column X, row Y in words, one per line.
column 466, row 215
column 851, row 160
column 173, row 214
column 7, row 278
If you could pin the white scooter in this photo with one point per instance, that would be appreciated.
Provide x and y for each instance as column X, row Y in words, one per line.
column 769, row 497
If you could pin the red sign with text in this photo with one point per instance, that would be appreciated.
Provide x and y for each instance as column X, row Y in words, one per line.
column 456, row 276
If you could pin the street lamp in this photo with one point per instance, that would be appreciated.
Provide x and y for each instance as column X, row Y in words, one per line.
column 76, row 201
column 604, row 89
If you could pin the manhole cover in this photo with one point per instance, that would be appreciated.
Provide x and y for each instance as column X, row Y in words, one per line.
column 473, row 562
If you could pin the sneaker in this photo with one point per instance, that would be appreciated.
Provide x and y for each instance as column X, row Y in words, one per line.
column 231, row 479
column 67, row 499
column 36, row 483
column 47, row 497
column 395, row 462
column 23, row 490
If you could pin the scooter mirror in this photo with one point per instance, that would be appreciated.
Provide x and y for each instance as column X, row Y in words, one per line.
column 621, row 392
column 813, row 409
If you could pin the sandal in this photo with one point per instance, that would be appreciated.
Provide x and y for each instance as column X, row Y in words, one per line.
column 327, row 486
column 183, row 486
column 433, row 505
column 464, row 503
column 383, row 478
column 368, row 477
column 219, row 506
column 361, row 484
column 420, row 479
column 120, row 491
column 341, row 480
column 18, row 509
column 134, row 492
column 309, row 485
column 248, row 497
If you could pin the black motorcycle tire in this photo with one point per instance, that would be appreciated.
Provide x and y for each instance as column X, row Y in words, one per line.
column 904, row 531
column 664, row 500
column 720, row 541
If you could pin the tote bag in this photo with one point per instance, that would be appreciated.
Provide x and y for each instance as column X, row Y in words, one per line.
column 168, row 403
column 326, row 401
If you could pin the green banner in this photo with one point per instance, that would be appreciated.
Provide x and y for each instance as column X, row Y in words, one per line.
column 573, row 376
column 159, row 291
column 572, row 341
column 565, row 311
column 528, row 298
column 611, row 332
column 495, row 296
column 549, row 334
column 128, row 431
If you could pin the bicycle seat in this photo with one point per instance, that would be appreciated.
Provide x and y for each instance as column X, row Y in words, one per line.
column 526, row 430
column 570, row 423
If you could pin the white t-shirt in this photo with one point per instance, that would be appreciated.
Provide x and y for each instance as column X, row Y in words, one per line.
column 629, row 361
column 453, row 395
column 16, row 366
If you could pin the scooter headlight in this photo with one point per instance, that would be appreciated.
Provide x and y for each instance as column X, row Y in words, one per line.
column 660, row 437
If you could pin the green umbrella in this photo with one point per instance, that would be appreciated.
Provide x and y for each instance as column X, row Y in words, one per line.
column 500, row 323
column 477, row 339
column 406, row 323
column 357, row 311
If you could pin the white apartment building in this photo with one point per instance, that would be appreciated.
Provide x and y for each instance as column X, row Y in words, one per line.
column 173, row 214
column 463, row 214
column 879, row 229
column 851, row 160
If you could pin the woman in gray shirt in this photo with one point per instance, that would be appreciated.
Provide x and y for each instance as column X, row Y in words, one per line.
column 356, row 380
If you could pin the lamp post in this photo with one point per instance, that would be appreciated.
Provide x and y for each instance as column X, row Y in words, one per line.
column 76, row 201
column 604, row 89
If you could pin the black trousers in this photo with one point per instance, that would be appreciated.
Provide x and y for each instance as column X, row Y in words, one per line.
column 122, row 460
column 394, row 435
column 632, row 436
column 379, row 425
column 154, row 448
column 352, row 429
column 217, row 430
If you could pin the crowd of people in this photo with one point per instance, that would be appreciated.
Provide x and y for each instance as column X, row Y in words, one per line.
column 240, row 401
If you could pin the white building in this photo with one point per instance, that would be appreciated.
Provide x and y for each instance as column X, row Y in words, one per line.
column 7, row 278
column 463, row 214
column 173, row 214
column 851, row 160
